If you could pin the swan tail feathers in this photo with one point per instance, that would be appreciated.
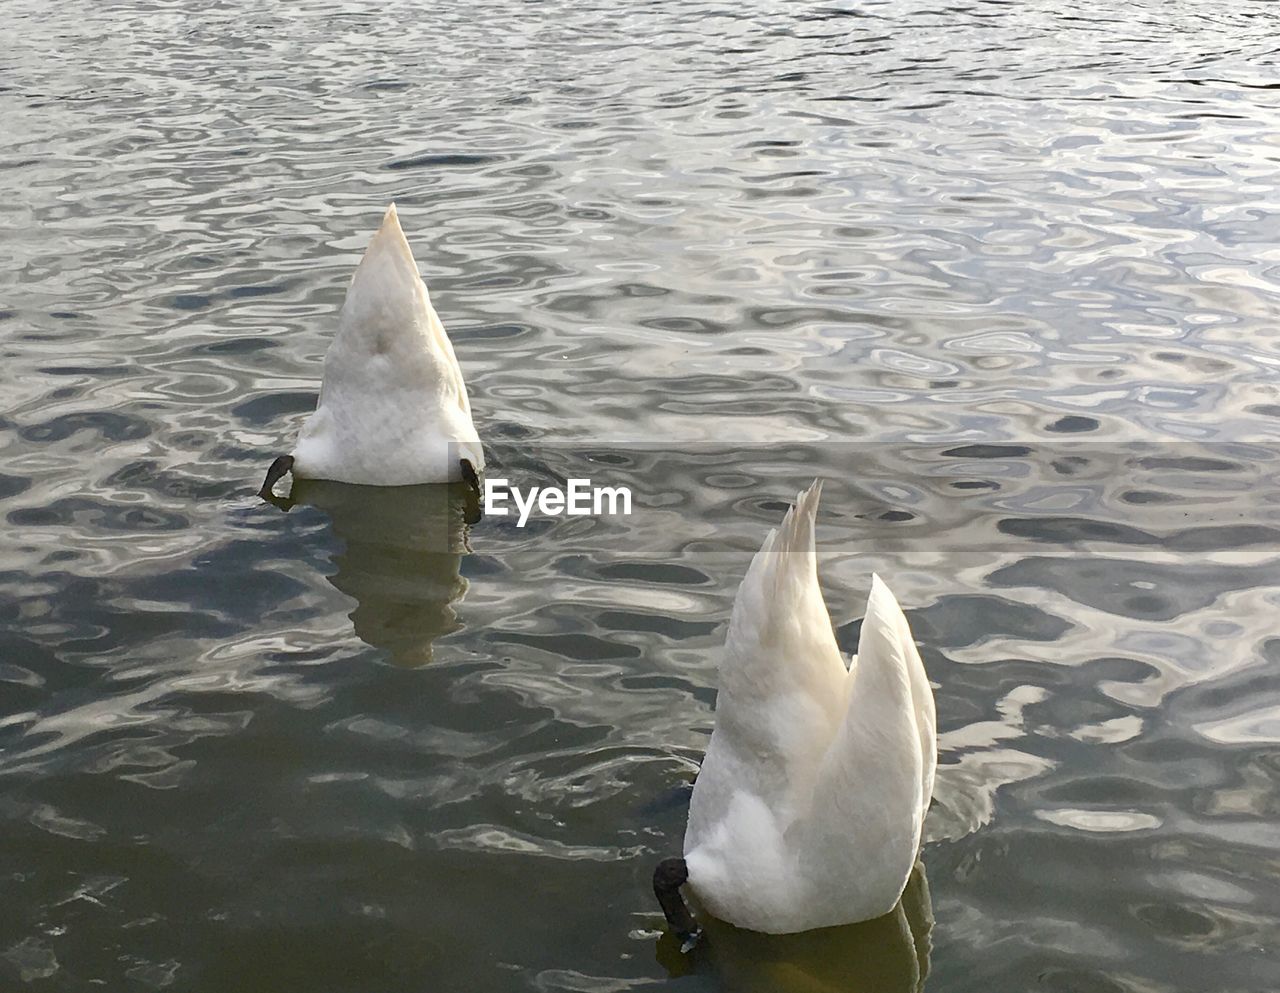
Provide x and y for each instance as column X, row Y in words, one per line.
column 786, row 558
column 889, row 678
column 780, row 635
column 792, row 552
column 387, row 277
column 387, row 297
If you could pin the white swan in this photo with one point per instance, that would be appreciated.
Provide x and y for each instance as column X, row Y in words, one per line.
column 393, row 406
column 809, row 806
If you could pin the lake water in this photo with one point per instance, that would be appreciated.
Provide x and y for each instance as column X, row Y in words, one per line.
column 1005, row 274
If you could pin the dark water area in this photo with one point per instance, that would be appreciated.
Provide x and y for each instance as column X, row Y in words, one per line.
column 1004, row 274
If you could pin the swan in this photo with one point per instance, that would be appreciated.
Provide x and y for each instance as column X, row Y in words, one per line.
column 393, row 408
column 809, row 806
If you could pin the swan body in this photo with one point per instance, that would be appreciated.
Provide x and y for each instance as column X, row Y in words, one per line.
column 393, row 406
column 809, row 806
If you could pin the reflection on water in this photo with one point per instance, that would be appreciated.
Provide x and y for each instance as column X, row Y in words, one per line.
column 1004, row 274
column 887, row 955
column 402, row 547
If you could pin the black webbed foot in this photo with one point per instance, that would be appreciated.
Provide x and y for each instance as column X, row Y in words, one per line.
column 279, row 467
column 472, row 512
column 285, row 503
column 668, row 877
column 469, row 475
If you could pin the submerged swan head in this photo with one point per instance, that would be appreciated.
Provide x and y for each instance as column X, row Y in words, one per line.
column 809, row 806
column 393, row 406
column 398, row 556
column 889, row 954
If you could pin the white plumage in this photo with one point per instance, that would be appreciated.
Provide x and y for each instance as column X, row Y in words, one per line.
column 393, row 407
column 809, row 806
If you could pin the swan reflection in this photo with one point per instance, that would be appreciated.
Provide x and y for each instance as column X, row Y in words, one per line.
column 887, row 955
column 402, row 551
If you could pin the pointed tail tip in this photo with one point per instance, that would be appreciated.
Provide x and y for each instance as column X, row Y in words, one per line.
column 795, row 534
column 880, row 591
column 390, row 218
column 811, row 495
column 389, row 240
column 806, row 505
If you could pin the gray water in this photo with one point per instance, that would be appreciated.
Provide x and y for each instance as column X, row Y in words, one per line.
column 1003, row 273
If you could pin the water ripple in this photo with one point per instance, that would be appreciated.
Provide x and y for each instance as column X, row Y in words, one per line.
column 1005, row 275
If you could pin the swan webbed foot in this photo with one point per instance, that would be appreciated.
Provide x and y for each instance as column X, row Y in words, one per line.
column 469, row 475
column 472, row 478
column 668, row 877
column 279, row 467
column 284, row 503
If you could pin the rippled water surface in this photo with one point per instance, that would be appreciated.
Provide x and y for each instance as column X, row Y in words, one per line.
column 1005, row 274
